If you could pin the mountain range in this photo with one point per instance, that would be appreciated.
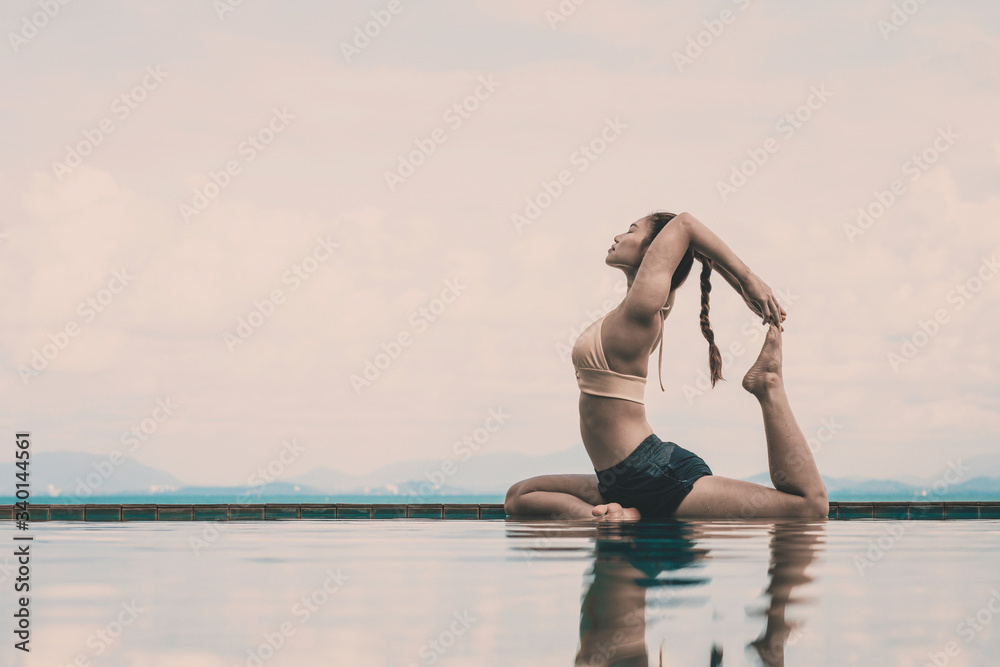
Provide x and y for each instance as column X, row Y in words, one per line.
column 81, row 477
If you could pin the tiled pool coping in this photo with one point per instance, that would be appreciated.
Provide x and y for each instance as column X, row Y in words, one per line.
column 269, row 511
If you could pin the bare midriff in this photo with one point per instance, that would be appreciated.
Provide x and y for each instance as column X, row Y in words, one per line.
column 611, row 428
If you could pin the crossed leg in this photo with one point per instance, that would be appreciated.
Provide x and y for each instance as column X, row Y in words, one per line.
column 798, row 488
column 563, row 497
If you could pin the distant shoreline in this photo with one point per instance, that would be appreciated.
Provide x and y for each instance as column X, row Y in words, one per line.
column 237, row 498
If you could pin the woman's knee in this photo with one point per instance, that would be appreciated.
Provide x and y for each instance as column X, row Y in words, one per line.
column 818, row 505
column 510, row 500
column 519, row 489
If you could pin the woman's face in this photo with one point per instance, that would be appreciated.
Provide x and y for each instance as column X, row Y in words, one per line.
column 628, row 248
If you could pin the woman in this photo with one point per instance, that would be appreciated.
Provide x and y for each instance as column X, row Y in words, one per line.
column 637, row 474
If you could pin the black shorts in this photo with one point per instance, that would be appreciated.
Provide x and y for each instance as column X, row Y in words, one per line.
column 654, row 479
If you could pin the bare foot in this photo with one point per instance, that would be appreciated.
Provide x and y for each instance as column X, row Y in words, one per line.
column 615, row 512
column 766, row 371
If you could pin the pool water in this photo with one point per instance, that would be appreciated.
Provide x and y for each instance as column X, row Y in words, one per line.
column 423, row 592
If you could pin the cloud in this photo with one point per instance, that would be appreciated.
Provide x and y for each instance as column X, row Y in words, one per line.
column 496, row 343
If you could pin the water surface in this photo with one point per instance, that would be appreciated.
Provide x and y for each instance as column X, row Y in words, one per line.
column 421, row 592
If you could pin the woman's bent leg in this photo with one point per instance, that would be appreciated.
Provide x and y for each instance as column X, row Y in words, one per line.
column 799, row 489
column 714, row 497
column 793, row 469
column 554, row 497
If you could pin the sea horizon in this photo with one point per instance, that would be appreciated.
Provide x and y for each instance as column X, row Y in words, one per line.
column 240, row 499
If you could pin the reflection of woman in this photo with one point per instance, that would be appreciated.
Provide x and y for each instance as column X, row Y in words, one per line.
column 793, row 549
column 637, row 474
column 628, row 562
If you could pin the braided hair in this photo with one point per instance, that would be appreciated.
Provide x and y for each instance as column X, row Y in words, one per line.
column 659, row 221
column 714, row 356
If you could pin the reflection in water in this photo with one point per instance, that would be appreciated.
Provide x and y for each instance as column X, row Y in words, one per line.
column 633, row 558
column 793, row 549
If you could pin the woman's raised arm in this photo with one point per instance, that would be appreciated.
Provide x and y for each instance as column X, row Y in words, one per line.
column 758, row 296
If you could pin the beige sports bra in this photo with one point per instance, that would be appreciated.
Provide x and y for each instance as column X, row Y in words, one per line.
column 596, row 378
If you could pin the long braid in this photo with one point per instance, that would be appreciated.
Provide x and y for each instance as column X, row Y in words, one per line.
column 714, row 356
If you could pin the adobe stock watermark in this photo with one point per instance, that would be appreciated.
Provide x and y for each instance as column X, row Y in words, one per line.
column 121, row 108
column 302, row 611
column 290, row 452
column 926, row 330
column 894, row 532
column 464, row 449
column 542, row 539
column 268, row 473
column 294, row 277
column 751, row 333
column 955, row 474
column 704, row 39
column 776, row 655
column 914, row 167
column 823, row 435
column 247, row 151
column 966, row 630
column 434, row 648
column 101, row 640
column 420, row 320
column 579, row 160
column 88, row 310
column 454, row 117
column 786, row 126
column 224, row 7
column 556, row 525
column 827, row 431
column 629, row 626
column 7, row 569
column 32, row 24
column 565, row 349
column 562, row 12
column 138, row 434
column 370, row 30
column 899, row 16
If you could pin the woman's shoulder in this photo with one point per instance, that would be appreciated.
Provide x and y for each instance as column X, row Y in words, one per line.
column 627, row 337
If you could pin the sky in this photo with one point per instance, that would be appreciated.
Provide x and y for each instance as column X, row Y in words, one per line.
column 350, row 234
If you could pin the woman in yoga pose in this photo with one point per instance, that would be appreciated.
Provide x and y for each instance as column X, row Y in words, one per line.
column 637, row 474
